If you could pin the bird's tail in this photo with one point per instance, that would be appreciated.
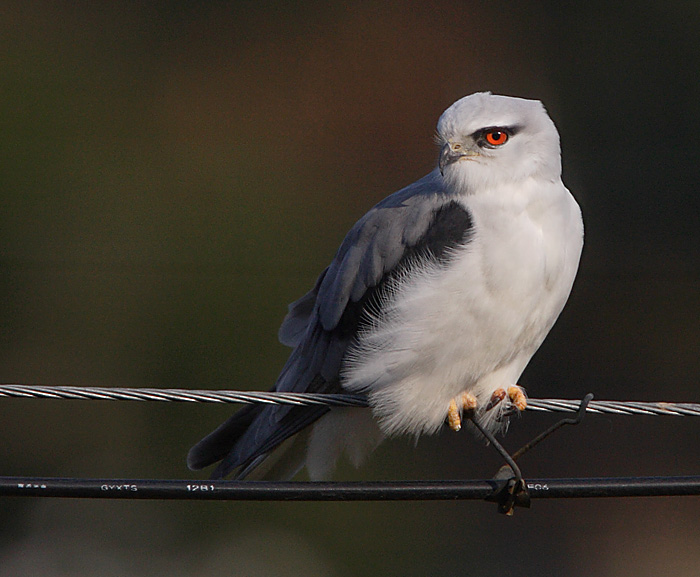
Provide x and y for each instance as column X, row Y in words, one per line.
column 218, row 444
column 247, row 439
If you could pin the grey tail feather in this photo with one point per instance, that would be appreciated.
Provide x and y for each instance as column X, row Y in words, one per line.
column 246, row 470
column 281, row 464
column 224, row 445
column 217, row 444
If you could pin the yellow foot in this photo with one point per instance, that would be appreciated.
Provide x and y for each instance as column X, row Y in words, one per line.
column 463, row 402
column 517, row 398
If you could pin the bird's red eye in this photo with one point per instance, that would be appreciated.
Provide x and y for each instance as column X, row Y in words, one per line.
column 496, row 137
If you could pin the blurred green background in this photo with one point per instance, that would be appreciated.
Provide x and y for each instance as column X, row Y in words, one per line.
column 172, row 174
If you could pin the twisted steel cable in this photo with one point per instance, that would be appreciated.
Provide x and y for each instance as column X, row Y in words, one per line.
column 308, row 399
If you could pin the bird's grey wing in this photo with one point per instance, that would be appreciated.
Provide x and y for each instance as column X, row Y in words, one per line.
column 298, row 314
column 373, row 246
column 420, row 221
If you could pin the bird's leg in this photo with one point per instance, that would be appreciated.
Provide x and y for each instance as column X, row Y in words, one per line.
column 466, row 402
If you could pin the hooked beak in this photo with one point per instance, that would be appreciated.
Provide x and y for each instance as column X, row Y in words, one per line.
column 448, row 154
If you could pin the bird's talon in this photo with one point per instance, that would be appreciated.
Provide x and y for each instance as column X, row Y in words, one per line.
column 468, row 402
column 464, row 403
column 497, row 396
column 517, row 398
column 454, row 419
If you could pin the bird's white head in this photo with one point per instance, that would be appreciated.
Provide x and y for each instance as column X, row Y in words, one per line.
column 488, row 140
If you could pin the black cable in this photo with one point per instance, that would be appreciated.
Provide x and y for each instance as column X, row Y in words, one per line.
column 342, row 491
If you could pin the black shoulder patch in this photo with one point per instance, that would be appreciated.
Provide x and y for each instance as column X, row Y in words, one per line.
column 450, row 227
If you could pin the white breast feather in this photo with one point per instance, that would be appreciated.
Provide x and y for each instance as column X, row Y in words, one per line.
column 472, row 325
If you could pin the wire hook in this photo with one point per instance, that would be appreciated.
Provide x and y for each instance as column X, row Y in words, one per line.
column 512, row 491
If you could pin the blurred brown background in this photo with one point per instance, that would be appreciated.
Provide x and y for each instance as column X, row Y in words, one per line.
column 174, row 173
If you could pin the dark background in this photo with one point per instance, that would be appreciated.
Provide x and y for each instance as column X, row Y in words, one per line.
column 172, row 174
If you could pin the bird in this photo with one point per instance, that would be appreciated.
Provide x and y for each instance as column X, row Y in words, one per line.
column 432, row 307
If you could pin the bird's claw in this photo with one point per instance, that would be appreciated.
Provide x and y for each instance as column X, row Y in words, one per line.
column 497, row 396
column 466, row 402
column 517, row 398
